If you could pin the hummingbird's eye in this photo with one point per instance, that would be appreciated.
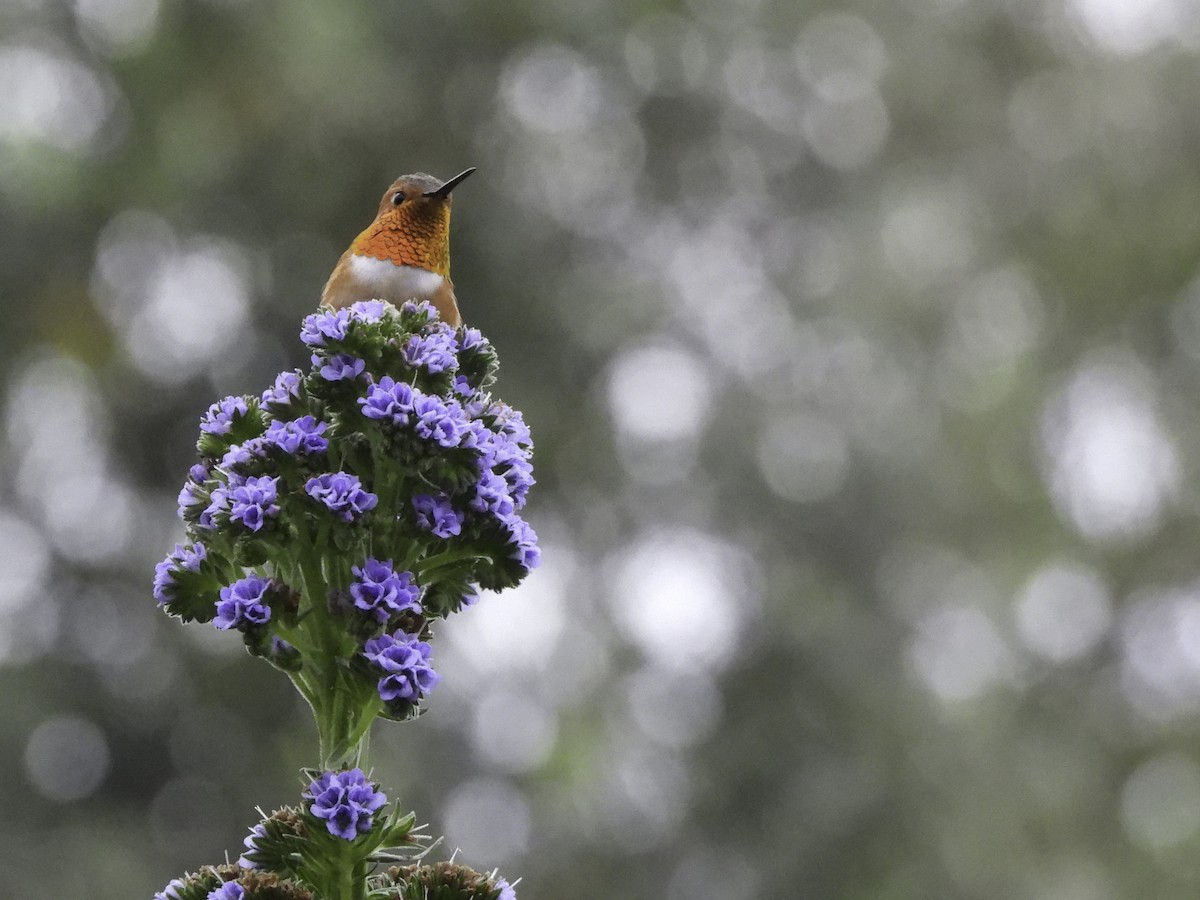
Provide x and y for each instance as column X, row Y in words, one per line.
column 397, row 198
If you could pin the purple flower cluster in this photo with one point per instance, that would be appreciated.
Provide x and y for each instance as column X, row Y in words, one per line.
column 244, row 604
column 433, row 419
column 424, row 309
column 382, row 591
column 220, row 416
column 434, row 351
column 472, row 339
column 404, row 660
column 197, row 475
column 437, row 515
column 491, row 495
column 301, row 436
column 342, row 367
column 252, row 500
column 285, row 390
column 437, row 420
column 181, row 559
column 326, row 325
column 505, row 450
column 171, row 891
column 388, row 400
column 347, row 801
column 524, row 541
column 342, row 493
column 334, row 324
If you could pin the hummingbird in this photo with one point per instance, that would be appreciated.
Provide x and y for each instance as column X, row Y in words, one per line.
column 405, row 253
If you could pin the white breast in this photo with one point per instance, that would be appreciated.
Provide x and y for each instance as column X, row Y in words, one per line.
column 393, row 282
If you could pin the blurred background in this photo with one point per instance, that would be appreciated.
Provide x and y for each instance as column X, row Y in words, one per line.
column 861, row 346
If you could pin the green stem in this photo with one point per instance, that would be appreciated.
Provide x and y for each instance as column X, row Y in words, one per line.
column 441, row 560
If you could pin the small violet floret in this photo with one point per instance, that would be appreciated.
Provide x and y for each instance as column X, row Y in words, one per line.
column 326, row 325
column 346, row 801
column 523, row 541
column 388, row 400
column 368, row 311
column 438, row 421
column 437, row 515
column 491, row 496
column 342, row 494
column 285, row 390
column 303, row 436
column 433, row 352
column 230, row 890
column 244, row 604
column 342, row 367
column 197, row 475
column 404, row 661
column 257, row 833
column 181, row 559
column 472, row 338
column 424, row 308
column 252, row 501
column 382, row 591
column 220, row 416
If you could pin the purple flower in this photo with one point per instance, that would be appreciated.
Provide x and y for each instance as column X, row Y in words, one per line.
column 342, row 367
column 511, row 422
column 404, row 660
column 286, row 389
column 437, row 515
column 244, row 603
column 438, row 421
column 303, row 436
column 491, row 495
column 433, row 352
column 240, row 454
column 323, row 326
column 346, row 801
column 342, row 493
column 519, row 476
column 389, row 400
column 230, row 890
column 368, row 311
column 383, row 592
column 462, row 387
column 477, row 437
column 252, row 502
column 197, row 475
column 220, row 416
column 181, row 559
column 523, row 541
column 258, row 832
column 506, row 890
column 470, row 596
column 218, row 502
column 502, row 453
column 171, row 891
column 471, row 338
column 424, row 308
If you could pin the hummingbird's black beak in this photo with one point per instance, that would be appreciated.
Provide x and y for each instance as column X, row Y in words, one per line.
column 444, row 191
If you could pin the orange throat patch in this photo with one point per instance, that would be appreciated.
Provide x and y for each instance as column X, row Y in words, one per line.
column 409, row 240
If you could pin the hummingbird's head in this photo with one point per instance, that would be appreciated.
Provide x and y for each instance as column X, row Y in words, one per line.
column 412, row 227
